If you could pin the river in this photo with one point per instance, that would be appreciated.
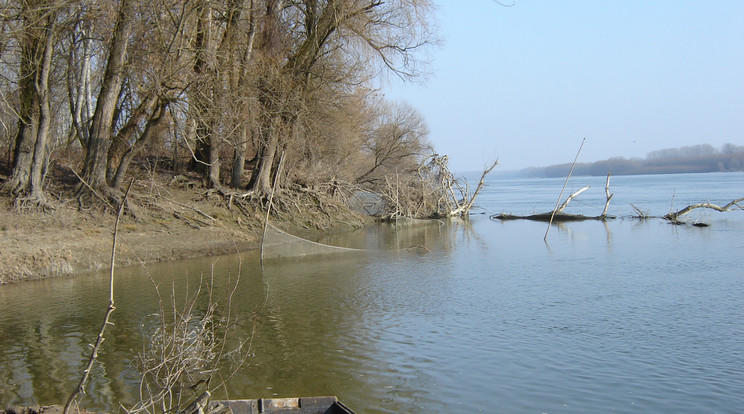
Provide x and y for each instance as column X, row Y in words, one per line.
column 482, row 316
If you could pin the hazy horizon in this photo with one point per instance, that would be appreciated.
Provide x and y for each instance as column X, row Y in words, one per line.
column 527, row 83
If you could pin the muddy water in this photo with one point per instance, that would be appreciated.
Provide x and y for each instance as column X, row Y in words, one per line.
column 625, row 316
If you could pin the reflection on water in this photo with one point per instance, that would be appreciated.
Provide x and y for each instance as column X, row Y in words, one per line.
column 622, row 316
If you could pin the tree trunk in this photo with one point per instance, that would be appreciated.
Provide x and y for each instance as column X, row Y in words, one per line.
column 28, row 114
column 152, row 128
column 122, row 142
column 238, row 164
column 45, row 114
column 263, row 181
column 213, row 179
column 103, row 118
column 78, row 84
column 206, row 154
column 30, row 155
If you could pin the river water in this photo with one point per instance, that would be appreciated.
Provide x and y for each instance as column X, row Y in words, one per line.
column 483, row 316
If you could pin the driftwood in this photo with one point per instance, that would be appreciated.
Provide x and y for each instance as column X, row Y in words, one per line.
column 674, row 217
column 199, row 405
column 557, row 217
column 607, row 194
column 463, row 209
column 640, row 214
column 434, row 193
column 568, row 200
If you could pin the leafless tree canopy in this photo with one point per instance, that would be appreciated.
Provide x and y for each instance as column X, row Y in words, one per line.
column 223, row 87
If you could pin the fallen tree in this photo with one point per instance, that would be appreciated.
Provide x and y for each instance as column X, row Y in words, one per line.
column 433, row 193
column 674, row 216
column 558, row 215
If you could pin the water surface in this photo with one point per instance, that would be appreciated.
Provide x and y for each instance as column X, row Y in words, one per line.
column 623, row 316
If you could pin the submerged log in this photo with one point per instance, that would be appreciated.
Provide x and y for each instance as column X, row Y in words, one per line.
column 559, row 217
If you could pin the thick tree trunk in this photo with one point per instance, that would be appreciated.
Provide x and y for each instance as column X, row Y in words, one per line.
column 103, row 118
column 263, row 181
column 151, row 129
column 206, row 154
column 206, row 159
column 30, row 156
column 213, row 179
column 28, row 117
column 238, row 164
column 45, row 115
column 23, row 154
column 123, row 141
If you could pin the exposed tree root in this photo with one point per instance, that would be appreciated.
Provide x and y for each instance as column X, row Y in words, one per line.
column 33, row 202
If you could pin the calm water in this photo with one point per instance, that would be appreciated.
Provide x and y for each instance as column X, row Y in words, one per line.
column 623, row 316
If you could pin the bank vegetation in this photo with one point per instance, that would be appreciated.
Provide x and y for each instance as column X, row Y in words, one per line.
column 215, row 103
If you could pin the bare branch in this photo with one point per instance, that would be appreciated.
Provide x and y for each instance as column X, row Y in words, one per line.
column 728, row 207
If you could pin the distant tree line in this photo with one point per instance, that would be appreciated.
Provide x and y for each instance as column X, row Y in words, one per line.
column 228, row 89
column 691, row 159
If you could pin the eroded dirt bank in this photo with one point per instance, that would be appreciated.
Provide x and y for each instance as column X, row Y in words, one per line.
column 174, row 219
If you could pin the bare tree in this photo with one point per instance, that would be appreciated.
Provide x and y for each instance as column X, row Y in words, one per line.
column 397, row 142
column 37, row 37
column 102, row 123
column 389, row 32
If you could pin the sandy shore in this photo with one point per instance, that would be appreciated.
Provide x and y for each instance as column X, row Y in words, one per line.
column 172, row 226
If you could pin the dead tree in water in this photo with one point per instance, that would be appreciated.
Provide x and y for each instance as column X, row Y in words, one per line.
column 558, row 215
column 434, row 193
column 674, row 217
column 465, row 204
column 608, row 195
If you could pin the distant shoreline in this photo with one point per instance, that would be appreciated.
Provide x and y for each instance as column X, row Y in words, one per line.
column 699, row 159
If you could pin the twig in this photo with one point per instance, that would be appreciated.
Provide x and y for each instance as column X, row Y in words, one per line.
column 93, row 190
column 271, row 199
column 94, row 354
column 550, row 223
column 189, row 207
column 641, row 215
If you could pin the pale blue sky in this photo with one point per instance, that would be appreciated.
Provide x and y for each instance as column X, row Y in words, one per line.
column 526, row 83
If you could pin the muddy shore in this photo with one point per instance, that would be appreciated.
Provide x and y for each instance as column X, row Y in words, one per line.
column 174, row 219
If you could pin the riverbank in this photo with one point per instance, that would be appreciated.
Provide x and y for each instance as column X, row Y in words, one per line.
column 41, row 409
column 175, row 218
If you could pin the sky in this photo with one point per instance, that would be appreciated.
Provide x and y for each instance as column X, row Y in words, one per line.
column 526, row 83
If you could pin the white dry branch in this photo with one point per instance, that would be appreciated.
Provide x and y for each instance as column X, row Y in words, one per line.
column 608, row 195
column 571, row 197
column 728, row 207
column 466, row 204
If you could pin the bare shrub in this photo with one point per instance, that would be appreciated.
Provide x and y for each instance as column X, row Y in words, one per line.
column 433, row 192
column 187, row 349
